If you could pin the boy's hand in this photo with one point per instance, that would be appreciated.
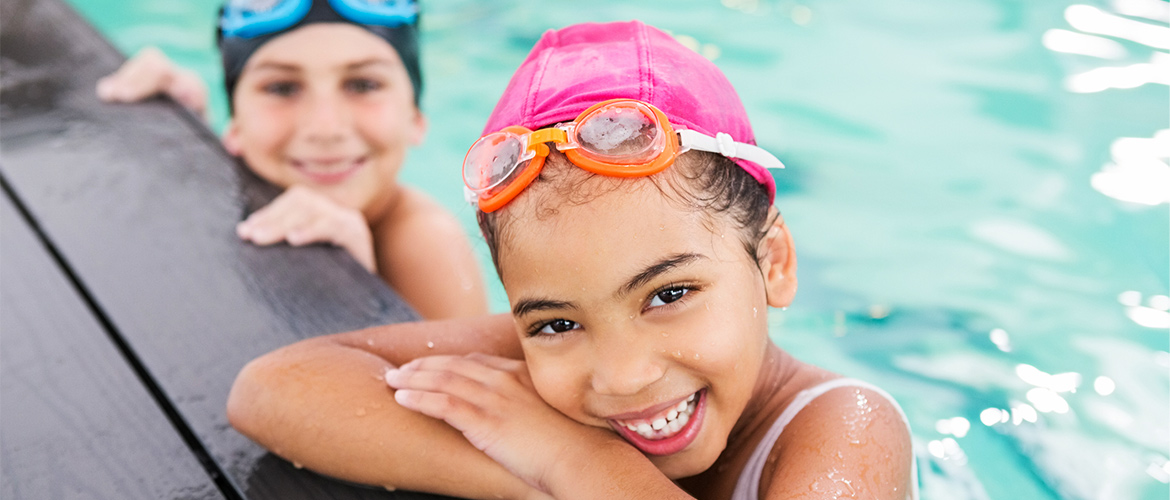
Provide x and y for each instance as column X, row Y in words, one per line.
column 491, row 400
column 302, row 216
column 150, row 73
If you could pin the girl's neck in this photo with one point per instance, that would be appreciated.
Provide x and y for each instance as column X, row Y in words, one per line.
column 781, row 378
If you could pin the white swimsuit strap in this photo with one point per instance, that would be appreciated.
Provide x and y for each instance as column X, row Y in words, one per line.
column 748, row 485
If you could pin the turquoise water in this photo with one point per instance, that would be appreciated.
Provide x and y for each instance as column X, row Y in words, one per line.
column 962, row 191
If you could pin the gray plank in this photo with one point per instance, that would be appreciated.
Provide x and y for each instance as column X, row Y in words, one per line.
column 77, row 422
column 141, row 202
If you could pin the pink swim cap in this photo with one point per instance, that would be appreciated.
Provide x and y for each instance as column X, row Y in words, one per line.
column 578, row 66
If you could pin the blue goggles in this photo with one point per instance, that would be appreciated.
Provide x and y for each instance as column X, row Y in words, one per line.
column 253, row 18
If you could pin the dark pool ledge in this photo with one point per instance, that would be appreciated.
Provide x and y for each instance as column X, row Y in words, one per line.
column 128, row 303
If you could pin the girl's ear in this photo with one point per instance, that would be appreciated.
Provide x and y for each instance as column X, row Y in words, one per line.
column 777, row 260
column 231, row 138
column 420, row 128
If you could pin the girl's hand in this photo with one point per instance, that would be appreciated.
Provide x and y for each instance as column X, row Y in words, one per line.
column 150, row 73
column 491, row 400
column 302, row 216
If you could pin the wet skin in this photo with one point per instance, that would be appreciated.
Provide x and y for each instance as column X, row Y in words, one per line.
column 630, row 302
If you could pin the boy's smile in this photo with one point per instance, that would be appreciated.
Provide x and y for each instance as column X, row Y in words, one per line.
column 631, row 307
column 329, row 106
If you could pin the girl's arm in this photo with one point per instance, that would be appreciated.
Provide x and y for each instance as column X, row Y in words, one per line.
column 847, row 443
column 423, row 252
column 491, row 400
column 322, row 403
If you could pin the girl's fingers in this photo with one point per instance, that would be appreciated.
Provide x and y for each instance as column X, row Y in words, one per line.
column 442, row 373
column 456, row 412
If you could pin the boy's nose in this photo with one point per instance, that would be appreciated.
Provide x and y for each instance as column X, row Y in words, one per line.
column 625, row 368
column 325, row 119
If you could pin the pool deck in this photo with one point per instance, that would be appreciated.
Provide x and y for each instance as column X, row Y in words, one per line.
column 128, row 303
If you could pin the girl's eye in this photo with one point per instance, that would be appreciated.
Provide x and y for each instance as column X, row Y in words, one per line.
column 663, row 297
column 558, row 326
column 282, row 89
column 362, row 85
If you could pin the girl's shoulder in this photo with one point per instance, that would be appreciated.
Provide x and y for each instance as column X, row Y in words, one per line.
column 837, row 436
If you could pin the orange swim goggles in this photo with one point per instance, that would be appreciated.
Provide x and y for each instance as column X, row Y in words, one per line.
column 616, row 138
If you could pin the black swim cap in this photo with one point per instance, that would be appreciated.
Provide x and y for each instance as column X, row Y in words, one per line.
column 235, row 50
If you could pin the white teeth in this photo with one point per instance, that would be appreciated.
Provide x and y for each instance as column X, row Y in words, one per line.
column 670, row 424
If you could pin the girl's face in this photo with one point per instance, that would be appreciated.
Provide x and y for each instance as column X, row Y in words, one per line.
column 639, row 316
column 329, row 106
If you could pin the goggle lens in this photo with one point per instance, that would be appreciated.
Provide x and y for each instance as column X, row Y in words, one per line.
column 624, row 133
column 492, row 160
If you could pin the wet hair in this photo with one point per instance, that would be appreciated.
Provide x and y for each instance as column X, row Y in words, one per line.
column 707, row 183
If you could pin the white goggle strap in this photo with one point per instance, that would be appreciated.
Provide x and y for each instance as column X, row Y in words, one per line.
column 723, row 144
column 470, row 196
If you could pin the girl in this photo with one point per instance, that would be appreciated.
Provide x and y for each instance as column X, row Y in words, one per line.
column 631, row 221
column 324, row 95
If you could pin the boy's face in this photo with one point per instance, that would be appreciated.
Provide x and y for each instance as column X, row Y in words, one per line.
column 628, row 306
column 329, row 106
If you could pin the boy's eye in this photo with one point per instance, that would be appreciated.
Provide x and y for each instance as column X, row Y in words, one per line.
column 558, row 326
column 663, row 297
column 362, row 85
column 283, row 89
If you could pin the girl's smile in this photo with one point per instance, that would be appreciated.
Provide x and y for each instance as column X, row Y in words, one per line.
column 664, row 429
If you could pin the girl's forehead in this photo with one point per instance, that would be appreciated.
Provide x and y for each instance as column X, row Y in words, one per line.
column 615, row 233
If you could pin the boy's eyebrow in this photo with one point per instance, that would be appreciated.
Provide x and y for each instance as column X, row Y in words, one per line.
column 526, row 306
column 373, row 61
column 657, row 269
column 275, row 66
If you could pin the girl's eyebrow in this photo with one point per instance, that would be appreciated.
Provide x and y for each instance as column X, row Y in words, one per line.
column 526, row 306
column 654, row 270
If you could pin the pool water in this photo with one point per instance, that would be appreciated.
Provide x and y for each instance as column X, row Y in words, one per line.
column 978, row 192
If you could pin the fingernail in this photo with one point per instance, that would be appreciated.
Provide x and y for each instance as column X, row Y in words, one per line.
column 103, row 88
column 402, row 396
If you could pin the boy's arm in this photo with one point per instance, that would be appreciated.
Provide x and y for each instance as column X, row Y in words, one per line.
column 322, row 403
column 150, row 73
column 425, row 255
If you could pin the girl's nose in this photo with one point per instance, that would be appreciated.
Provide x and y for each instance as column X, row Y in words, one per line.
column 625, row 368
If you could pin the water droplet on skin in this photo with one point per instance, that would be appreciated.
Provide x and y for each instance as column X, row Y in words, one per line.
column 696, row 356
column 677, row 354
column 389, row 488
column 664, row 334
column 430, row 345
column 298, row 465
column 370, row 342
column 755, row 312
